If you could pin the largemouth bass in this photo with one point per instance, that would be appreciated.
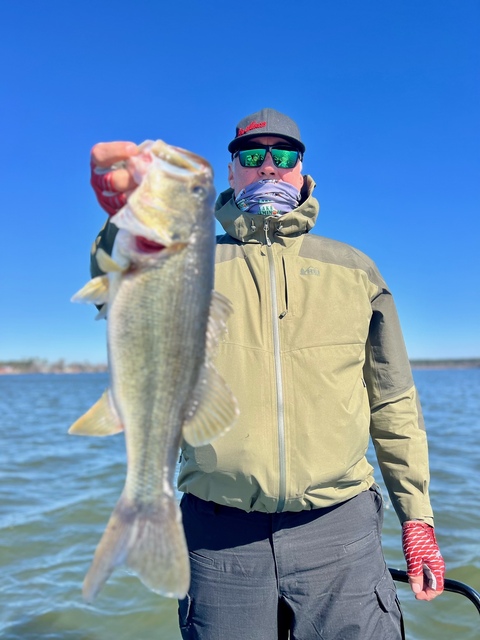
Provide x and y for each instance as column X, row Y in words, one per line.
column 163, row 324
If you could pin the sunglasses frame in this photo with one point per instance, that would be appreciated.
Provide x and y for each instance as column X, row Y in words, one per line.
column 268, row 149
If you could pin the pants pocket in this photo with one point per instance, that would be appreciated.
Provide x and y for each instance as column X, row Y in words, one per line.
column 388, row 599
column 386, row 593
column 184, row 607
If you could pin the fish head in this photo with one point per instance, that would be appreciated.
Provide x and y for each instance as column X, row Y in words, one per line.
column 175, row 196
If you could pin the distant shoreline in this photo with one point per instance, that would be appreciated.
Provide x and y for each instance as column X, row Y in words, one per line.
column 474, row 363
column 41, row 366
column 37, row 365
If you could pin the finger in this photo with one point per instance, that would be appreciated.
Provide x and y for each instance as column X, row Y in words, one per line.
column 117, row 180
column 427, row 595
column 113, row 202
column 104, row 154
column 416, row 584
column 430, row 594
column 421, row 588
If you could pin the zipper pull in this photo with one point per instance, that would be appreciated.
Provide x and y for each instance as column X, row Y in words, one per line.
column 265, row 229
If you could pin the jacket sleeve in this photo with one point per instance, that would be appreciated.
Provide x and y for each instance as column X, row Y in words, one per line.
column 397, row 428
column 104, row 241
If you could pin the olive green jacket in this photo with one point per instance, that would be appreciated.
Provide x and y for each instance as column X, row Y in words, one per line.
column 315, row 356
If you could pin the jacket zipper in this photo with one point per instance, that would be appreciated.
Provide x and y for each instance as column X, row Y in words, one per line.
column 282, row 490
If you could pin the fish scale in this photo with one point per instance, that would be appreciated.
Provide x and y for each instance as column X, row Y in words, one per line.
column 165, row 367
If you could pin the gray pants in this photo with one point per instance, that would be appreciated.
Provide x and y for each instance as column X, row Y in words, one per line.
column 311, row 575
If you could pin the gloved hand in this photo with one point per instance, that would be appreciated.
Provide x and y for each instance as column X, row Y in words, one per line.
column 425, row 565
column 110, row 179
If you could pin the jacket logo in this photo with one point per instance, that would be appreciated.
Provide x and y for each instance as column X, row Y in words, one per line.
column 311, row 271
column 252, row 125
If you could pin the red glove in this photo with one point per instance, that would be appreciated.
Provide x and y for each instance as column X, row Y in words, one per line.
column 111, row 201
column 423, row 556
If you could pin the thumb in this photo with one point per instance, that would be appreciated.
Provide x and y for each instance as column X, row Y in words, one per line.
column 416, row 583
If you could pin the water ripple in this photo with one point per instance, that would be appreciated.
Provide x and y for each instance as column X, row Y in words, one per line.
column 57, row 492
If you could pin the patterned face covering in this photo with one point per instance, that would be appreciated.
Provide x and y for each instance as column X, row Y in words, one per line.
column 268, row 198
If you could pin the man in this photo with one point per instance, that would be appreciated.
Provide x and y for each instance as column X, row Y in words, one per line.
column 282, row 514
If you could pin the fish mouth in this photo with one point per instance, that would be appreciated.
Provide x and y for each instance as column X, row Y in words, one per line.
column 178, row 162
column 144, row 245
column 151, row 232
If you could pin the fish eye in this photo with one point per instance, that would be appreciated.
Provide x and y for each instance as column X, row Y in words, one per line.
column 199, row 191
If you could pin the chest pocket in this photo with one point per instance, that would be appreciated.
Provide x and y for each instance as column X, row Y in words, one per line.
column 324, row 304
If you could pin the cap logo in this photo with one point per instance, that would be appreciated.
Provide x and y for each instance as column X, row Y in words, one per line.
column 252, row 125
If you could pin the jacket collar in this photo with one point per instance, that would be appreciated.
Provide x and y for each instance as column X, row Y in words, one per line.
column 248, row 227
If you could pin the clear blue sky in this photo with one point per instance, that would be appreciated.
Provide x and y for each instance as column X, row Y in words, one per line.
column 386, row 95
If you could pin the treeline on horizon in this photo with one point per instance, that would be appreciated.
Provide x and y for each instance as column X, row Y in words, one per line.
column 466, row 363
column 42, row 365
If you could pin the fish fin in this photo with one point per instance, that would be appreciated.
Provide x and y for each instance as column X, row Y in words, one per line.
column 96, row 290
column 149, row 540
column 100, row 420
column 214, row 409
column 106, row 262
column 220, row 310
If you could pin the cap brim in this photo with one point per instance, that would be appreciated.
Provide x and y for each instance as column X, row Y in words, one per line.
column 238, row 143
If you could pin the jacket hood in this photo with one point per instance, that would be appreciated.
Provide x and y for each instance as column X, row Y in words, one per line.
column 248, row 227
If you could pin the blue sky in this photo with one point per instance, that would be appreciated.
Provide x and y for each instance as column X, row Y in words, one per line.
column 386, row 95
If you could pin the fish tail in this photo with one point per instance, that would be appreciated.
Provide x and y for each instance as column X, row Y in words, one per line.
column 149, row 540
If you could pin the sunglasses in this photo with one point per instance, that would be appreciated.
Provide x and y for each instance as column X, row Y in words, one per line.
column 283, row 157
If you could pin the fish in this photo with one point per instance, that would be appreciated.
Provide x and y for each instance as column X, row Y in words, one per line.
column 164, row 322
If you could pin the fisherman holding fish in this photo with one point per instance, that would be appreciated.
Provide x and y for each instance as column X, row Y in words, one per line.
column 282, row 515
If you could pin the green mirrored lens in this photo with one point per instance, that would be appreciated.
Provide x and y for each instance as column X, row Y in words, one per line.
column 252, row 157
column 284, row 158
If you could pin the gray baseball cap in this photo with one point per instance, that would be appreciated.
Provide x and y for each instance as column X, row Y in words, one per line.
column 266, row 122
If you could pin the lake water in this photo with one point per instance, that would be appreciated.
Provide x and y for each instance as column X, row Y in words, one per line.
column 57, row 492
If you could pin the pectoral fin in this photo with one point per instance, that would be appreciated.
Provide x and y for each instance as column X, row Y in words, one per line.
column 96, row 291
column 220, row 310
column 214, row 409
column 106, row 263
column 100, row 420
